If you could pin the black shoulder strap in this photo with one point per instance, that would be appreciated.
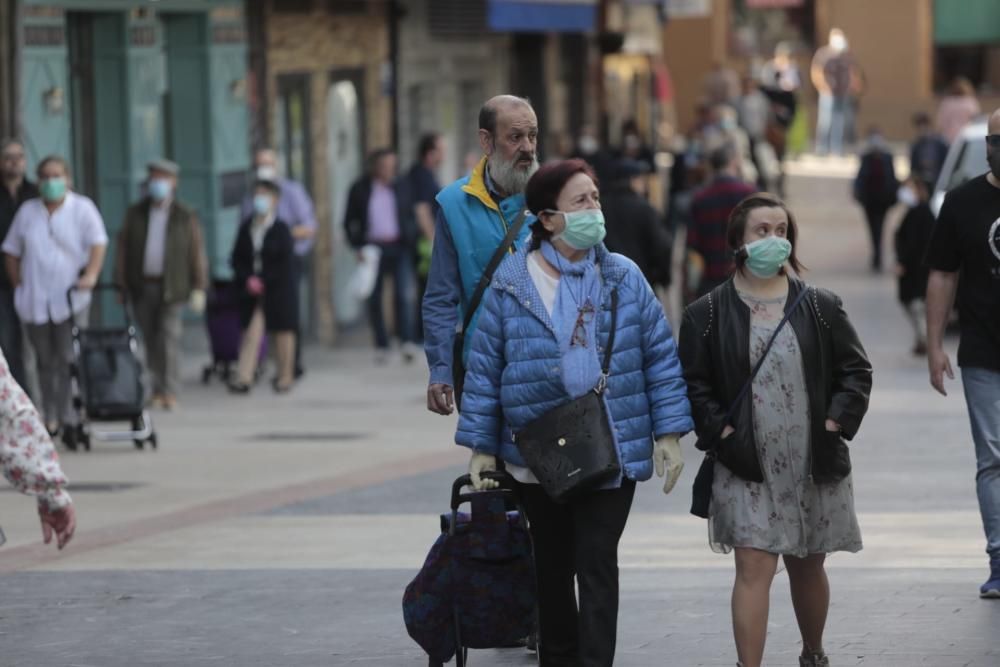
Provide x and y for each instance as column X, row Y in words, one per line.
column 606, row 367
column 760, row 362
column 491, row 268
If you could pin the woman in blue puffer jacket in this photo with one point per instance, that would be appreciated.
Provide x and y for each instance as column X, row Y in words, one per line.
column 539, row 345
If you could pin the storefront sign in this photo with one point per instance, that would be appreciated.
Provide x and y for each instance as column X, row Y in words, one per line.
column 689, row 9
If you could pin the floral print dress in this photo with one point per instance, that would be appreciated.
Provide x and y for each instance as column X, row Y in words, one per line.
column 786, row 514
column 29, row 460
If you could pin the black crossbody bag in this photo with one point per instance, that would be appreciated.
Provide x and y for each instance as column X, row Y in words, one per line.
column 571, row 448
column 458, row 348
column 701, row 491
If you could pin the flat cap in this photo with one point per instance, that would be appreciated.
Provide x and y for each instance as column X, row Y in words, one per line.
column 164, row 165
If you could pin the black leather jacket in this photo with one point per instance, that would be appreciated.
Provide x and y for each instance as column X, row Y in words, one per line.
column 715, row 353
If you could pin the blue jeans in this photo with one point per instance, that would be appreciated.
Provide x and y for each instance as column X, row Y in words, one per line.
column 397, row 261
column 10, row 337
column 982, row 395
column 832, row 121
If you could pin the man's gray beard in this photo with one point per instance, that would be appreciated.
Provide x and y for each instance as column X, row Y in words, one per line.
column 508, row 176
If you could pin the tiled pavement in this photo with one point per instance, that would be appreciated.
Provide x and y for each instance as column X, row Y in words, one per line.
column 281, row 531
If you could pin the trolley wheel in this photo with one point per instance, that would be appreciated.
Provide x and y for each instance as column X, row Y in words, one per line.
column 152, row 441
column 139, row 444
column 206, row 375
column 83, row 437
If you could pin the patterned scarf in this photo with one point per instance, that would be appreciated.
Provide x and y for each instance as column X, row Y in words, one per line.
column 574, row 314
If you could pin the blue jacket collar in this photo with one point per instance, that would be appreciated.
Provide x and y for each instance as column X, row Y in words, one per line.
column 512, row 277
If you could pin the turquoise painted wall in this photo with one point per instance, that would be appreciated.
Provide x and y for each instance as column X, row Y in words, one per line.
column 196, row 55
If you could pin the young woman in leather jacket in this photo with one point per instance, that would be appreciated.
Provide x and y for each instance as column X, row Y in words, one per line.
column 782, row 484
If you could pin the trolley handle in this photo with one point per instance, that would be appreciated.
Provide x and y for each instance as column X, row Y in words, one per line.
column 505, row 481
column 103, row 287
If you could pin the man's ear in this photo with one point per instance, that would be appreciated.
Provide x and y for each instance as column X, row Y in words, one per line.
column 486, row 142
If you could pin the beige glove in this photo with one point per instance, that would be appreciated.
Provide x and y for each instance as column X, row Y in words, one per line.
column 667, row 456
column 196, row 302
column 478, row 464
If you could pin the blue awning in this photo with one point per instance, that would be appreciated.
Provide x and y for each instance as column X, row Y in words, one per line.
column 542, row 15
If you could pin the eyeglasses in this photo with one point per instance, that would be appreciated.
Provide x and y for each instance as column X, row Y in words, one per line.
column 993, row 140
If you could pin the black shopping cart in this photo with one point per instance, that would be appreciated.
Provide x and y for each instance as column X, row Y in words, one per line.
column 106, row 379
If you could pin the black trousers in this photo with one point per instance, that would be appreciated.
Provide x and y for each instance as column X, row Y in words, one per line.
column 876, row 221
column 578, row 539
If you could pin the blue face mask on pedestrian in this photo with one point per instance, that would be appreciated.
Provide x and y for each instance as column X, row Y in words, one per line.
column 261, row 204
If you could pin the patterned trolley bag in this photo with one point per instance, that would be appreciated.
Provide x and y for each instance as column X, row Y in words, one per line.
column 477, row 587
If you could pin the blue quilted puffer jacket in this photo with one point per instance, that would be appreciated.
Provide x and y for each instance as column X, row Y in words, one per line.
column 513, row 372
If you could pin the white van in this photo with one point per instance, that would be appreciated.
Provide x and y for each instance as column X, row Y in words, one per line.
column 966, row 159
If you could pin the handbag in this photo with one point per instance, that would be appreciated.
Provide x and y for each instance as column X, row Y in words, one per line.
column 458, row 347
column 701, row 490
column 571, row 448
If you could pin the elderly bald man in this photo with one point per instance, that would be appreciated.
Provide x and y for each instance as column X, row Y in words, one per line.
column 966, row 241
column 475, row 215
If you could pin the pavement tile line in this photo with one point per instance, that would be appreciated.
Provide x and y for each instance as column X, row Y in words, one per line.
column 34, row 555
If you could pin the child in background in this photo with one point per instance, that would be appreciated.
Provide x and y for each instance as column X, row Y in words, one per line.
column 911, row 241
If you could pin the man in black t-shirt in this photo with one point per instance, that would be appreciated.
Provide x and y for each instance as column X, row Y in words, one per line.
column 964, row 258
column 424, row 187
column 15, row 189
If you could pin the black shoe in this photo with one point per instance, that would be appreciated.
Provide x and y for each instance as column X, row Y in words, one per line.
column 299, row 372
column 239, row 388
column 280, row 388
column 69, row 438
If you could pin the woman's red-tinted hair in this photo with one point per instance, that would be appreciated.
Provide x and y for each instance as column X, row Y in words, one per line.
column 544, row 188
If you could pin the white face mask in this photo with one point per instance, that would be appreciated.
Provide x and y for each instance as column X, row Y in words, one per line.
column 907, row 196
column 838, row 43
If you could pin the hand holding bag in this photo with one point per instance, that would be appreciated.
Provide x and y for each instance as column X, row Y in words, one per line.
column 701, row 491
column 571, row 448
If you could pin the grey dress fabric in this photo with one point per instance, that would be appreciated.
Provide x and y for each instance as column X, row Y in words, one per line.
column 786, row 514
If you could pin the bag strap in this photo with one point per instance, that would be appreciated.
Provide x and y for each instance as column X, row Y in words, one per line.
column 760, row 362
column 606, row 366
column 484, row 280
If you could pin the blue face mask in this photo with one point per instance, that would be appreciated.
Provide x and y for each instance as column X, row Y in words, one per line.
column 159, row 189
column 584, row 229
column 766, row 256
column 262, row 204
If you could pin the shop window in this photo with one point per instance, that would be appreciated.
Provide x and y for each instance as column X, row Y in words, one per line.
column 292, row 125
column 979, row 63
column 347, row 6
column 757, row 26
column 456, row 18
column 291, row 6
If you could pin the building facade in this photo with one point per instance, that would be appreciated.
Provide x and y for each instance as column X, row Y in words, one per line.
column 909, row 50
column 112, row 84
column 325, row 88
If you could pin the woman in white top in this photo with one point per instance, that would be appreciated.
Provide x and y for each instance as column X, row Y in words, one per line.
column 55, row 243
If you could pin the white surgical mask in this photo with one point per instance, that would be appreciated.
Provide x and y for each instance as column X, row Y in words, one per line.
column 907, row 196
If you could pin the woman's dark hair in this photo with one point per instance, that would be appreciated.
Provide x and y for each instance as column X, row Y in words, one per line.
column 736, row 231
column 544, row 188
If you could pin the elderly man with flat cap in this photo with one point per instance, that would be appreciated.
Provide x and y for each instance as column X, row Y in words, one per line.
column 161, row 264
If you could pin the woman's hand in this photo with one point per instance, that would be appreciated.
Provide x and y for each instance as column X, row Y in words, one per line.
column 726, row 432
column 668, row 459
column 60, row 523
column 832, row 426
column 478, row 464
column 255, row 286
